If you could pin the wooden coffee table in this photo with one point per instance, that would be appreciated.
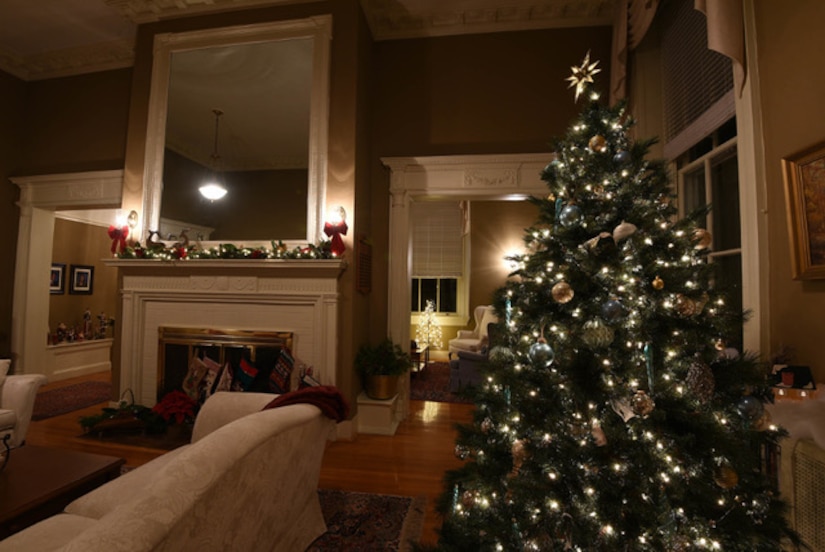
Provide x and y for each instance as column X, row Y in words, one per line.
column 39, row 482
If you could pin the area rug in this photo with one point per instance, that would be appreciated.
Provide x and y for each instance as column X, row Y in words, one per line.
column 433, row 384
column 369, row 522
column 70, row 398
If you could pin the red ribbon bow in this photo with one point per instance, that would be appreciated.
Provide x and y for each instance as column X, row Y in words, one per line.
column 334, row 231
column 118, row 236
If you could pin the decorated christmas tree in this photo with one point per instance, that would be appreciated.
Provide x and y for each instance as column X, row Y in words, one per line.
column 614, row 414
column 428, row 332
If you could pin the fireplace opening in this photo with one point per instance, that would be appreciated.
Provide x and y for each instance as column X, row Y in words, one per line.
column 201, row 361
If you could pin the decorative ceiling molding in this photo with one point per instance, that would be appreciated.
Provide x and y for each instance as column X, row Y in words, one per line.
column 398, row 19
column 148, row 11
column 88, row 58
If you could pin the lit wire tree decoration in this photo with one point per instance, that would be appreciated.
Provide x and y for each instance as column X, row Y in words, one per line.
column 614, row 416
column 428, row 332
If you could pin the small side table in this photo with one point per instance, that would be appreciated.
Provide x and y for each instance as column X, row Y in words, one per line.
column 420, row 357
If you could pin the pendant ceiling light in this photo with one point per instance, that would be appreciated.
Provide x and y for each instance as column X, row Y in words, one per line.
column 213, row 190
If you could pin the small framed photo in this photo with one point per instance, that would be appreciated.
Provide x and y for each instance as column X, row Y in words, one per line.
column 82, row 278
column 57, row 279
column 804, row 174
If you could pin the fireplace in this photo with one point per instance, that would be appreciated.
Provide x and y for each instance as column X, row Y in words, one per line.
column 181, row 348
column 300, row 297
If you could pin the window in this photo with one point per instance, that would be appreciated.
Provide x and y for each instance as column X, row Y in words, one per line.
column 438, row 255
column 708, row 173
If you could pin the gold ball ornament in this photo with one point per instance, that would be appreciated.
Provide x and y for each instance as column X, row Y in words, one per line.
column 658, row 284
column 726, row 477
column 701, row 239
column 595, row 334
column 562, row 292
column 642, row 404
column 684, row 305
column 597, row 143
column 467, row 499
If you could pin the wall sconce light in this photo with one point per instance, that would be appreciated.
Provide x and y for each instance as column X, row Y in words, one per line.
column 336, row 226
column 119, row 231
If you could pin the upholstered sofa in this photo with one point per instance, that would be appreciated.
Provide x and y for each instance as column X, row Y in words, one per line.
column 17, row 394
column 247, row 481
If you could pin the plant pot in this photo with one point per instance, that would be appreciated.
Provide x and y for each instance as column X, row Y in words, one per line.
column 381, row 388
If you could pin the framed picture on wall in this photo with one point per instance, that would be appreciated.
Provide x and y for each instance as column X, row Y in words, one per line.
column 804, row 174
column 82, row 278
column 57, row 279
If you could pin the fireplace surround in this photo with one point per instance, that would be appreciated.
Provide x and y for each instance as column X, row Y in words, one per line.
column 300, row 297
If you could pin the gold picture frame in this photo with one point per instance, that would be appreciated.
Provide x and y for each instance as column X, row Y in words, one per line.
column 804, row 175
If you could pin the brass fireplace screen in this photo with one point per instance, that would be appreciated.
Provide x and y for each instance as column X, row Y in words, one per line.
column 178, row 346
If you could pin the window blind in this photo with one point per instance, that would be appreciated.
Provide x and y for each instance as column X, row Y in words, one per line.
column 437, row 243
column 697, row 82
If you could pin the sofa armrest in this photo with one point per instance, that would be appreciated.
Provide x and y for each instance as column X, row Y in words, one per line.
column 466, row 334
column 18, row 394
column 469, row 355
column 224, row 407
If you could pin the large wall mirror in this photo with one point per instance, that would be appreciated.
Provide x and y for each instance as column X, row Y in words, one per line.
column 245, row 106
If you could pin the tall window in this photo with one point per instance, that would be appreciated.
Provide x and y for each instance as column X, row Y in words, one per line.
column 437, row 255
column 708, row 174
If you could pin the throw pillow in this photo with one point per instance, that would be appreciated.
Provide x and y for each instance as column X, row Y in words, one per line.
column 194, row 377
column 281, row 375
column 245, row 375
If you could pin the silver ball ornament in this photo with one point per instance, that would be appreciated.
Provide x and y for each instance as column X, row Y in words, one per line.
column 750, row 408
column 541, row 353
column 571, row 215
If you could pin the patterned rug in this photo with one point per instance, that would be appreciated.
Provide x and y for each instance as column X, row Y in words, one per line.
column 433, row 384
column 70, row 398
column 366, row 522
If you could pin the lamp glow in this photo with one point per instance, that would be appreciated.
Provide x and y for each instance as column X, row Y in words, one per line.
column 212, row 191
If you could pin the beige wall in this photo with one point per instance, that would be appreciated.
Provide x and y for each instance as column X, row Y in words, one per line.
column 792, row 84
column 76, row 243
column 12, row 93
column 497, row 230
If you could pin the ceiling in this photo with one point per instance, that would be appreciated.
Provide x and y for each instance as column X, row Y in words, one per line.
column 42, row 39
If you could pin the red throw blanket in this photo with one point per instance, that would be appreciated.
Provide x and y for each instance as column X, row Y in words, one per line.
column 326, row 397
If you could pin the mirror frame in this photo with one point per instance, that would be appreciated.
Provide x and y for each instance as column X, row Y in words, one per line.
column 319, row 30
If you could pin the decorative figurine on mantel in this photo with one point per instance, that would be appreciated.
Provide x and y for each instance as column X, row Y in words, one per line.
column 103, row 323
column 87, row 324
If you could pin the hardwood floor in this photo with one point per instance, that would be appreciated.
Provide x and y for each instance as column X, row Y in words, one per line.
column 410, row 463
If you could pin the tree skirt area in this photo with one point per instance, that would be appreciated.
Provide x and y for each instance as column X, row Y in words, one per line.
column 70, row 398
column 433, row 384
column 369, row 522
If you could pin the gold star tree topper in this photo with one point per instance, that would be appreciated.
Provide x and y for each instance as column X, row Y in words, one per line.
column 583, row 75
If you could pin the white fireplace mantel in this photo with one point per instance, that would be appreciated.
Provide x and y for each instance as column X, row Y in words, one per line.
column 299, row 296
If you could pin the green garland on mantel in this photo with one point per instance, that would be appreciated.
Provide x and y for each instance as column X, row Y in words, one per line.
column 279, row 250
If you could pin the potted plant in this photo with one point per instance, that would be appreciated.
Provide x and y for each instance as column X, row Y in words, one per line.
column 380, row 366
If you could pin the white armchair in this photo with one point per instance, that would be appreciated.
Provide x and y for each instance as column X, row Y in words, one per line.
column 17, row 394
column 476, row 339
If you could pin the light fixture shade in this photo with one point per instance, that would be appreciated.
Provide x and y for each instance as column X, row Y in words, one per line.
column 212, row 191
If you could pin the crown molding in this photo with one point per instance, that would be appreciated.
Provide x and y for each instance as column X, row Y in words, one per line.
column 148, row 11
column 390, row 19
column 71, row 61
